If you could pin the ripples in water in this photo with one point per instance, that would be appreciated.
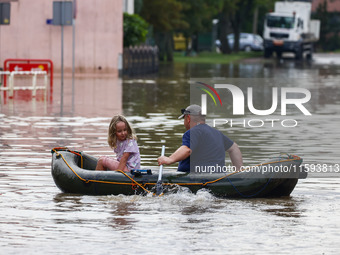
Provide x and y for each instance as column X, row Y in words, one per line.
column 37, row 218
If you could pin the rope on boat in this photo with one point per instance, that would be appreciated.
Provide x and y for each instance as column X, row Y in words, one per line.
column 55, row 150
column 134, row 182
column 140, row 185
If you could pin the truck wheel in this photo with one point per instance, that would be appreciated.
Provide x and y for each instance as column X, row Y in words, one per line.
column 267, row 53
column 279, row 54
column 309, row 55
column 299, row 54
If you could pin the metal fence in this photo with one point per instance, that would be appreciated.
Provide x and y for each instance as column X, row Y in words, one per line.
column 140, row 60
column 25, row 79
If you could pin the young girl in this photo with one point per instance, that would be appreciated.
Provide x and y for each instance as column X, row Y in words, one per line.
column 122, row 139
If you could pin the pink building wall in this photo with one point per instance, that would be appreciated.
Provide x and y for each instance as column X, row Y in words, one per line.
column 98, row 35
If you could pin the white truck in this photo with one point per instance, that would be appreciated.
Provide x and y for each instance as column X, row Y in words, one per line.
column 290, row 29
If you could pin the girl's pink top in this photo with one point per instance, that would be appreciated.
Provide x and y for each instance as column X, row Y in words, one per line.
column 131, row 146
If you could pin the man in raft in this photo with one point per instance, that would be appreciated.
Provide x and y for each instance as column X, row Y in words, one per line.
column 203, row 147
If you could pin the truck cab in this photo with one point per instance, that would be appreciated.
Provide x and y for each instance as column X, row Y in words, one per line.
column 289, row 29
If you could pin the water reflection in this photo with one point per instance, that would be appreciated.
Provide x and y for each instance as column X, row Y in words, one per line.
column 92, row 94
column 63, row 200
column 282, row 207
column 152, row 105
column 121, row 215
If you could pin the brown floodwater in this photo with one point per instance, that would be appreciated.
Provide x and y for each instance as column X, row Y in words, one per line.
column 37, row 218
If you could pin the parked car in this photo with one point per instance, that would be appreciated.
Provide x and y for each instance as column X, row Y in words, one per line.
column 247, row 42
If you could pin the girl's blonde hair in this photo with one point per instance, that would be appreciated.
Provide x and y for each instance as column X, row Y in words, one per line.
column 112, row 138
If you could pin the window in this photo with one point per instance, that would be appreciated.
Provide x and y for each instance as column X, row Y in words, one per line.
column 280, row 22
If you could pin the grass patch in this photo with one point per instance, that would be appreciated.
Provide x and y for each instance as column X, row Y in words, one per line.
column 214, row 57
column 334, row 51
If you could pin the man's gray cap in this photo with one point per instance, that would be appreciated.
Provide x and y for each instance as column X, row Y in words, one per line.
column 193, row 109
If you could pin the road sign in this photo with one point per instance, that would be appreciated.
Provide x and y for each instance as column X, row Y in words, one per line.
column 62, row 13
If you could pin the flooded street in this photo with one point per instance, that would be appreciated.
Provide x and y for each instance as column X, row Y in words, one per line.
column 36, row 218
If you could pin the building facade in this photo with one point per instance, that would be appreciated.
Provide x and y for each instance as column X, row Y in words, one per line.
column 98, row 31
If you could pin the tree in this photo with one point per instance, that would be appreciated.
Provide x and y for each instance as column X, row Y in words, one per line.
column 224, row 21
column 192, row 17
column 199, row 15
column 165, row 16
column 235, row 15
column 135, row 29
column 243, row 10
column 324, row 16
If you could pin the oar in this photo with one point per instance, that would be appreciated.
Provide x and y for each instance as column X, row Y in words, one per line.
column 159, row 186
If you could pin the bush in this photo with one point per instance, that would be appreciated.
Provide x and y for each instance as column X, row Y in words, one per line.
column 135, row 29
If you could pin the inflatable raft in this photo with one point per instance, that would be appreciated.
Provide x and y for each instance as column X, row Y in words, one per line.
column 73, row 172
